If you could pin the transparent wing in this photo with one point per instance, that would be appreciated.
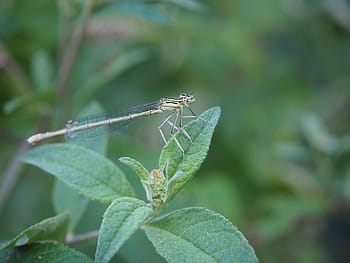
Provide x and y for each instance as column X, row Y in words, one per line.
column 83, row 129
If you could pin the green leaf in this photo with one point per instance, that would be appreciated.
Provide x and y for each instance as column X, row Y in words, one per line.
column 198, row 235
column 188, row 4
column 317, row 134
column 44, row 253
column 42, row 70
column 137, row 166
column 201, row 132
column 12, row 105
column 121, row 219
column 88, row 172
column 150, row 12
column 66, row 199
column 53, row 228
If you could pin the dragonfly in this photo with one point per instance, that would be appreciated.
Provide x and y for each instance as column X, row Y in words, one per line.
column 109, row 123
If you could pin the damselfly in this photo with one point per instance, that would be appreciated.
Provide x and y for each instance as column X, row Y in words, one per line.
column 108, row 123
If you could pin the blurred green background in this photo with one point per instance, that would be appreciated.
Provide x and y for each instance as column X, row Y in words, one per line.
column 278, row 166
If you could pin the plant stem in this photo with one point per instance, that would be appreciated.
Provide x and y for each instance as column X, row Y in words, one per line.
column 18, row 76
column 12, row 172
column 24, row 87
column 70, row 54
column 82, row 237
column 14, row 168
column 65, row 27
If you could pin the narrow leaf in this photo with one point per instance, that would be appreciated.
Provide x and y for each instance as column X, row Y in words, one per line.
column 121, row 219
column 42, row 70
column 137, row 166
column 200, row 131
column 199, row 235
column 150, row 12
column 44, row 253
column 188, row 4
column 53, row 228
column 90, row 173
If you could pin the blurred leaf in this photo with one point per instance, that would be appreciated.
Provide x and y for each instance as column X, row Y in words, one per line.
column 291, row 151
column 344, row 144
column 121, row 219
column 42, row 70
column 53, row 228
column 88, row 172
column 346, row 185
column 30, row 30
column 174, row 160
column 12, row 105
column 150, row 12
column 198, row 235
column 228, row 199
column 44, row 253
column 282, row 213
column 317, row 134
column 189, row 4
column 100, row 72
column 66, row 199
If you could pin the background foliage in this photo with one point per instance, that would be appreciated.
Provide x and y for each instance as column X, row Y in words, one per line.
column 279, row 69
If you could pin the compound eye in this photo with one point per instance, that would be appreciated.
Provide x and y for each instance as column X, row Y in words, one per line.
column 182, row 95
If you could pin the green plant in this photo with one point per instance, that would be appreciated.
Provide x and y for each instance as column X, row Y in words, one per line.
column 192, row 234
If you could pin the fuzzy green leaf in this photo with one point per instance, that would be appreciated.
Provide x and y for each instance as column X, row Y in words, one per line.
column 137, row 166
column 121, row 219
column 44, row 253
column 201, row 133
column 88, row 172
column 53, row 228
column 199, row 235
